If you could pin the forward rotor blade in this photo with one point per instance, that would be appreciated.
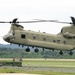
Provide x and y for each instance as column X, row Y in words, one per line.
column 23, row 21
column 5, row 22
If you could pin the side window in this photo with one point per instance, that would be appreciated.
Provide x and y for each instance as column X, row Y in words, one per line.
column 34, row 37
column 44, row 39
column 58, row 41
column 64, row 42
column 54, row 41
column 23, row 36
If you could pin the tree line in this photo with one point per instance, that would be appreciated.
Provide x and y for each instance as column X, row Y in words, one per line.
column 17, row 53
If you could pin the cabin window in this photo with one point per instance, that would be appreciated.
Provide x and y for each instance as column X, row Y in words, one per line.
column 58, row 41
column 34, row 37
column 44, row 39
column 23, row 36
column 54, row 41
column 64, row 42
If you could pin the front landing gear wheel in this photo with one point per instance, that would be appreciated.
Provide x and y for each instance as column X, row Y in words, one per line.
column 36, row 50
column 27, row 50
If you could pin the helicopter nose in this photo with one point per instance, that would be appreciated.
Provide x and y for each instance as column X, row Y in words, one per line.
column 6, row 38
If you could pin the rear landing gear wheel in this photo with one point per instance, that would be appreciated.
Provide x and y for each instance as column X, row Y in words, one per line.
column 61, row 53
column 70, row 53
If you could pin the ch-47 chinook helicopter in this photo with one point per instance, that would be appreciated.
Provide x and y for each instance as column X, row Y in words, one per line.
column 65, row 40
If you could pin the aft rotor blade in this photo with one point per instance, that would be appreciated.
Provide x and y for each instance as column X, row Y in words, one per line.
column 56, row 21
column 30, row 21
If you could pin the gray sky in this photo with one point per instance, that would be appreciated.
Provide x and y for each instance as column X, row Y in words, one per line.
column 26, row 10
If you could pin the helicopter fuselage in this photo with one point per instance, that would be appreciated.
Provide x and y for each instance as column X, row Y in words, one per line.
column 39, row 39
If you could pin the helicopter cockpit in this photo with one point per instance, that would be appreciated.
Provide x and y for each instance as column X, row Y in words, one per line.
column 11, row 34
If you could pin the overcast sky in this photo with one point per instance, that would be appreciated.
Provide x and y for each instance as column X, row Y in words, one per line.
column 26, row 10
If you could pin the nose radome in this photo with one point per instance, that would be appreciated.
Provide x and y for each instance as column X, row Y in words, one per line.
column 6, row 38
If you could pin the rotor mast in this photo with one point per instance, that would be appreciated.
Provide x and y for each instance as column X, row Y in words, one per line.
column 15, row 25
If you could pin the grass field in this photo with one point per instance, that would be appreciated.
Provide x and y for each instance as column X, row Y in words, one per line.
column 42, row 66
column 49, row 62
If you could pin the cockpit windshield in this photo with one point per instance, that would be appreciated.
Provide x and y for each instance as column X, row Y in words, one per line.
column 11, row 33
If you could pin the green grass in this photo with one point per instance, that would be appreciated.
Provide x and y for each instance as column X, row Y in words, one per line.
column 6, row 70
column 49, row 63
column 40, row 63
